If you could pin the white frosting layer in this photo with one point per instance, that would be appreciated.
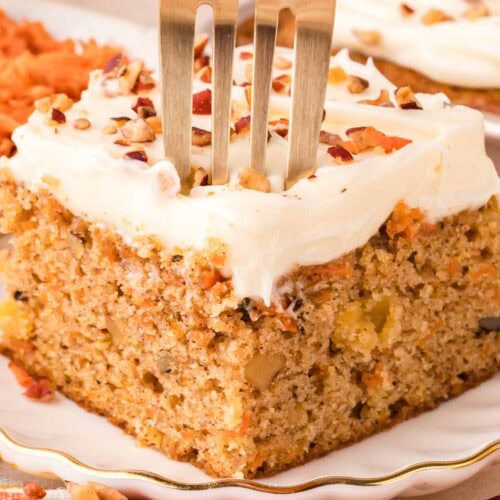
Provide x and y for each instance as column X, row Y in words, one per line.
column 444, row 170
column 459, row 52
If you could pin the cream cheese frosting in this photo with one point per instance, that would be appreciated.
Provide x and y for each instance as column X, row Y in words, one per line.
column 461, row 51
column 443, row 170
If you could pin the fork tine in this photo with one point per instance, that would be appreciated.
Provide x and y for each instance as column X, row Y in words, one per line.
column 177, row 28
column 313, row 41
column 266, row 21
column 225, row 19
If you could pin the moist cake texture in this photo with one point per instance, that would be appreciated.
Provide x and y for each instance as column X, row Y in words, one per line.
column 361, row 296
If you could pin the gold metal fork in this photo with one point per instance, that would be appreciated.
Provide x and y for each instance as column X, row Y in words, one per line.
column 313, row 39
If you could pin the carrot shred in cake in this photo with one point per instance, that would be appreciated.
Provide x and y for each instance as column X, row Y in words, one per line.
column 33, row 65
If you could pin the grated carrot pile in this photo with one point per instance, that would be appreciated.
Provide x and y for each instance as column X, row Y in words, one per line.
column 33, row 65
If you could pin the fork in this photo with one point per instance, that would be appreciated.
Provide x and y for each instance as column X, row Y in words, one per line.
column 313, row 40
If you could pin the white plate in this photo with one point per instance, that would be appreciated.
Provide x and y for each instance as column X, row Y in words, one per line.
column 434, row 451
column 431, row 452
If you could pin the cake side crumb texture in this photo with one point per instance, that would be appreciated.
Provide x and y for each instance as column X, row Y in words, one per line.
column 157, row 341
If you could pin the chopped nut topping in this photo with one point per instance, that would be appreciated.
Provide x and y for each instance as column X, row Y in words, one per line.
column 282, row 63
column 205, row 74
column 44, row 104
column 330, row 139
column 253, row 179
column 120, row 120
column 113, row 63
column 144, row 82
column 199, row 177
column 137, row 155
column 242, row 125
column 202, row 102
column 58, row 116
column 382, row 100
column 368, row 37
column 81, row 124
column 357, row 84
column 129, row 75
column 244, row 56
column 263, row 368
column 280, row 126
column 144, row 107
column 40, row 390
column 155, row 123
column 337, row 75
column 200, row 63
column 62, row 102
column 406, row 10
column 200, row 42
column 340, row 155
column 281, row 83
column 200, row 137
column 110, row 128
column 123, row 142
column 434, row 16
column 33, row 490
column 138, row 131
column 477, row 11
column 406, row 98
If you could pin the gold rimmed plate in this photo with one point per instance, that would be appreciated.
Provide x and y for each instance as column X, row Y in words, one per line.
column 433, row 451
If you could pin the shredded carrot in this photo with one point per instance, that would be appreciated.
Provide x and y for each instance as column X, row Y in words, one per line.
column 33, row 64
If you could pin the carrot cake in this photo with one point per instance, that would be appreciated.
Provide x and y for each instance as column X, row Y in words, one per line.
column 448, row 46
column 245, row 328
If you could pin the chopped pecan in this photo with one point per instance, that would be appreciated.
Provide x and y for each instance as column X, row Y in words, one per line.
column 200, row 137
column 205, row 74
column 33, row 490
column 282, row 63
column 123, row 142
column 120, row 120
column 253, row 179
column 199, row 177
column 281, row 83
column 138, row 155
column 200, row 42
column 242, row 125
column 144, row 107
column 339, row 154
column 113, row 63
column 434, row 16
column 245, row 56
column 356, row 84
column 58, row 116
column 368, row 37
column 40, row 390
column 138, row 130
column 144, row 82
column 382, row 100
column 406, row 98
column 200, row 63
column 155, row 123
column 81, row 124
column 280, row 126
column 329, row 139
column 337, row 75
column 128, row 76
column 202, row 102
column 406, row 10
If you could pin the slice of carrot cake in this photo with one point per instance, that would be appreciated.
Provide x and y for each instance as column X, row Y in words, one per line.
column 241, row 327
